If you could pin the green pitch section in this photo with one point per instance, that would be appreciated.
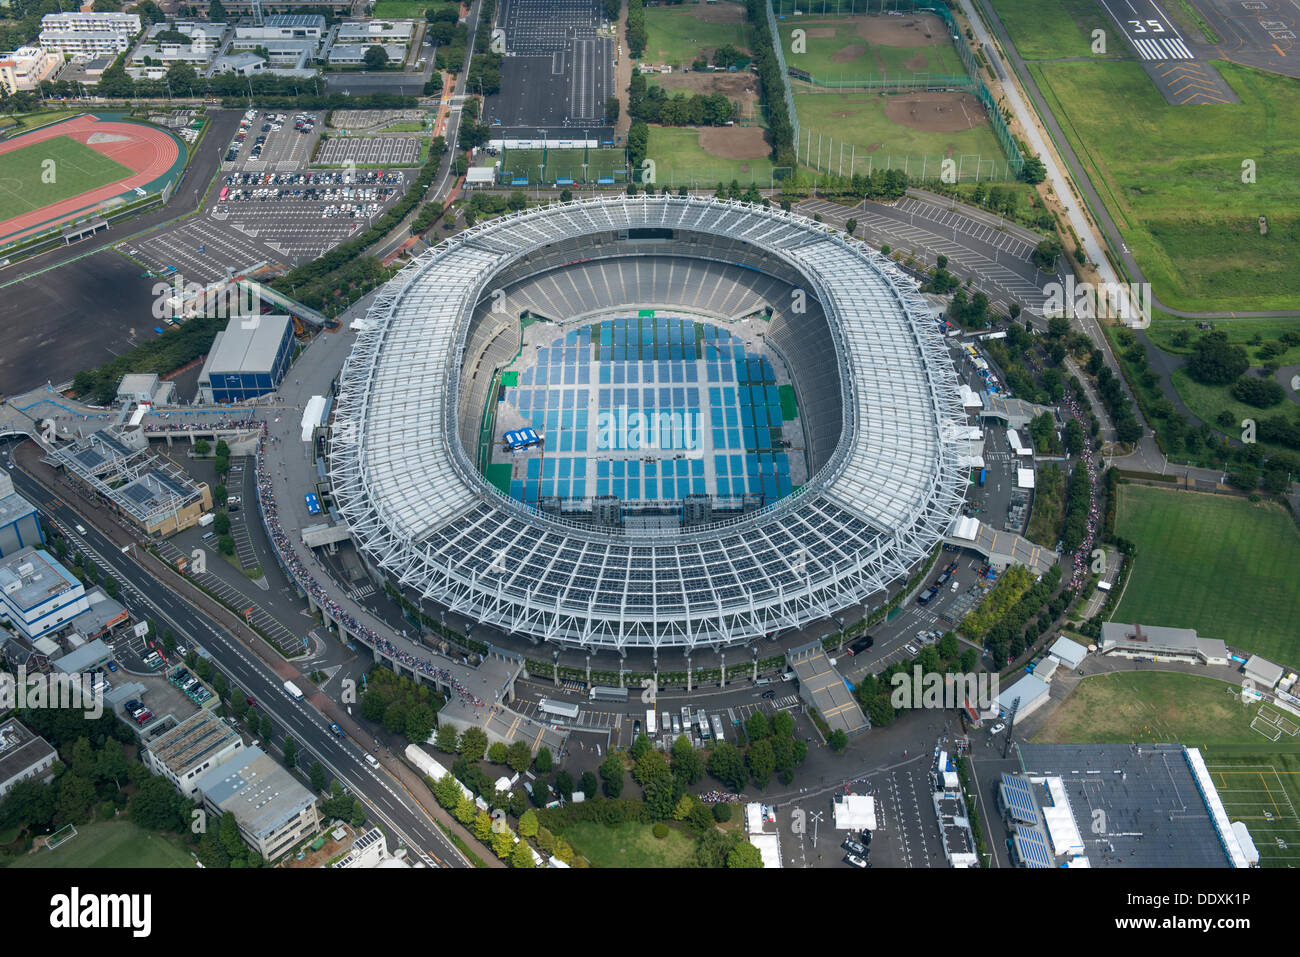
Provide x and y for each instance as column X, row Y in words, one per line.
column 76, row 169
column 1221, row 565
column 112, row 844
column 1262, row 790
column 499, row 475
column 509, row 379
column 789, row 406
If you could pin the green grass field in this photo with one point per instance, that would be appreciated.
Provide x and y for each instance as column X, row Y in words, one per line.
column 1153, row 706
column 681, row 161
column 1263, row 792
column 677, row 35
column 1044, row 29
column 25, row 174
column 399, row 9
column 117, row 843
column 859, row 120
column 629, row 845
column 1221, row 565
column 1171, row 176
column 566, row 164
column 1207, row 401
column 846, row 55
column 1239, row 332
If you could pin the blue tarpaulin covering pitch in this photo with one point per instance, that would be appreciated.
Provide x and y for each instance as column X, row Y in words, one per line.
column 313, row 503
column 522, row 439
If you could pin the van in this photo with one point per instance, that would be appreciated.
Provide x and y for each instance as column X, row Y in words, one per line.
column 81, row 529
column 370, row 760
column 760, row 682
column 788, row 676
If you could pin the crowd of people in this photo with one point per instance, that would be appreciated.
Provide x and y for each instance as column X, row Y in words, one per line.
column 1087, row 460
column 296, row 569
column 162, row 422
column 721, row 797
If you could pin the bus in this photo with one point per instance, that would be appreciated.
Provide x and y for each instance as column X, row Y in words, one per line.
column 650, row 723
column 702, row 720
column 558, row 709
column 599, row 693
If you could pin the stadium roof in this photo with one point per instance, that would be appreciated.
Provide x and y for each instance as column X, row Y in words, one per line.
column 417, row 505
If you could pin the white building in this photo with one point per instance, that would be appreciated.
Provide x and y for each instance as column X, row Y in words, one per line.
column 298, row 26
column 1157, row 643
column 354, row 54
column 273, row 810
column 1068, row 652
column 89, row 34
column 1033, row 694
column 23, row 755
column 196, row 746
column 375, row 31
column 27, row 67
column 152, row 56
column 38, row 596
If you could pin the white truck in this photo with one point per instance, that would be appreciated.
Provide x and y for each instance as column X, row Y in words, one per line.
column 206, row 519
column 293, row 691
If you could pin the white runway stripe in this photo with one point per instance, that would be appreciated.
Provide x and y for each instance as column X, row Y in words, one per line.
column 1179, row 49
column 1145, row 49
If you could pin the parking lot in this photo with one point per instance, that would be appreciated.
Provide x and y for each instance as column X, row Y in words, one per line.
column 257, row 215
column 273, row 141
column 369, row 151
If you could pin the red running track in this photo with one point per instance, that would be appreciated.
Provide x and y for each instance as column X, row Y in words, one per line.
column 147, row 151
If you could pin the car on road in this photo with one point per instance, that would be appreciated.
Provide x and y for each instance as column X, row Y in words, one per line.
column 910, row 650
column 855, row 860
column 853, row 847
column 769, row 693
column 636, row 729
column 336, row 729
column 112, row 665
column 372, row 761
column 998, row 728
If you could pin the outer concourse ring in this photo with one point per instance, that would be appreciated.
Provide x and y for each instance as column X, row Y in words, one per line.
column 882, row 496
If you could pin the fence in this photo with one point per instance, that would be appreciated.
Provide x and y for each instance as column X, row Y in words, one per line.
column 785, row 71
column 706, row 177
column 836, row 157
column 1013, row 161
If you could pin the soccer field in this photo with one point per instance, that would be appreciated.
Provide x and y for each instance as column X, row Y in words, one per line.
column 1262, row 791
column 117, row 843
column 1221, row 565
column 677, row 35
column 838, row 48
column 565, row 164
column 35, row 176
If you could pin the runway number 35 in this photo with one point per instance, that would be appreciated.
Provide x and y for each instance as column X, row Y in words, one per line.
column 1155, row 25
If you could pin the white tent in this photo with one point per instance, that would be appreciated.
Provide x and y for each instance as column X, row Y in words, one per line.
column 1024, row 478
column 855, row 812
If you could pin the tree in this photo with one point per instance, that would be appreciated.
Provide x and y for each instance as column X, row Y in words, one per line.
column 318, row 777
column 521, row 856
column 358, row 813
column 611, row 772
column 756, row 726
column 497, row 752
column 420, row 721
column 1033, row 171
column 221, row 523
column 483, row 826
column 216, row 12
column 761, row 762
column 1216, row 361
column 226, row 545
column 446, row 739
column 588, row 784
column 851, row 227
column 528, row 823
column 564, row 784
column 290, row 750
column 201, row 448
column 1047, row 252
column 544, row 762
column 727, row 765
column 375, row 58
column 688, row 766
column 744, row 854
column 76, row 796
column 502, row 844
column 518, row 756
column 838, row 740
column 649, row 766
column 472, row 744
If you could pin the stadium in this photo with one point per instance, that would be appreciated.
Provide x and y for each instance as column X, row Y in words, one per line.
column 661, row 292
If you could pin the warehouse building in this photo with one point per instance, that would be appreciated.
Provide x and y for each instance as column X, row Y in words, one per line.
column 1262, row 672
column 354, row 54
column 1068, row 652
column 19, row 525
column 1032, row 692
column 248, row 359
column 1156, row 643
column 273, row 810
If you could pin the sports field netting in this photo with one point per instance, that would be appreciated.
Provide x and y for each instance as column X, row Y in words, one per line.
column 55, row 169
column 529, row 167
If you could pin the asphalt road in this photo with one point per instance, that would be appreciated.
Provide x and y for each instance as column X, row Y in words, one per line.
column 147, row 596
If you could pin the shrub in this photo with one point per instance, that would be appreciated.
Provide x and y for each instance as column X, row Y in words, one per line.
column 660, row 830
column 722, row 813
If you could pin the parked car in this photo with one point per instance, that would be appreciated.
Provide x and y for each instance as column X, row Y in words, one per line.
column 855, row 860
column 998, row 728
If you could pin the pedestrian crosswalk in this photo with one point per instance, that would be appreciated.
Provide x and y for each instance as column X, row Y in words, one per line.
column 361, row 591
column 1161, row 48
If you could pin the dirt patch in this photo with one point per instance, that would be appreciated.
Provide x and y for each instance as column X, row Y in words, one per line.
column 735, row 142
column 740, row 88
column 917, row 62
column 720, row 12
column 849, row 53
column 916, row 30
column 935, row 112
column 821, row 33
